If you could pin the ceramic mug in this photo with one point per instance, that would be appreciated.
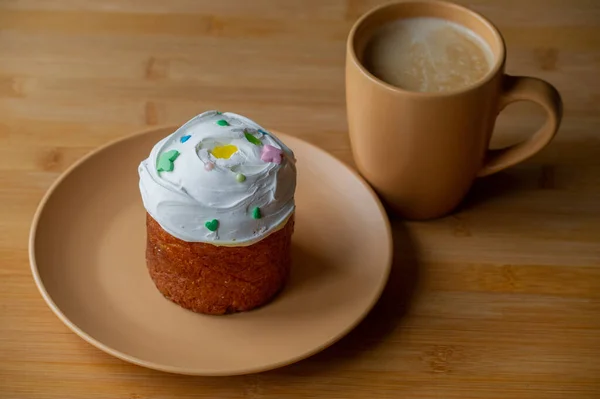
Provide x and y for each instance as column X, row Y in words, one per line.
column 422, row 151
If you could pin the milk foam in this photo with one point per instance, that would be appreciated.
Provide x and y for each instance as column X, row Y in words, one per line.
column 428, row 55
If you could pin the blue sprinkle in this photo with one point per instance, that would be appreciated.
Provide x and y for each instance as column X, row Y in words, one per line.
column 262, row 131
column 185, row 138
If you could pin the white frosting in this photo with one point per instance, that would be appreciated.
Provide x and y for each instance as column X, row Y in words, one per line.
column 184, row 199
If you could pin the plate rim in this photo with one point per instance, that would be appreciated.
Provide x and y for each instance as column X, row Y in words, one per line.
column 189, row 370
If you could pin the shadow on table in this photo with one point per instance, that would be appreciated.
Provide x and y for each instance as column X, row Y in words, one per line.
column 383, row 319
column 509, row 183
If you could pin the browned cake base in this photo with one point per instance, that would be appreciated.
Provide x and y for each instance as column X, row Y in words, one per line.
column 214, row 279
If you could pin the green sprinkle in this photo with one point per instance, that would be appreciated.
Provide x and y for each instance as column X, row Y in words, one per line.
column 218, row 112
column 222, row 122
column 256, row 213
column 212, row 225
column 252, row 139
column 165, row 161
column 240, row 178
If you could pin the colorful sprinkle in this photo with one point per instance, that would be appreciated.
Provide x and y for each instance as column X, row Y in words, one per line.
column 271, row 154
column 240, row 178
column 218, row 112
column 209, row 166
column 165, row 161
column 222, row 122
column 224, row 151
column 256, row 213
column 212, row 225
column 262, row 131
column 185, row 138
column 252, row 139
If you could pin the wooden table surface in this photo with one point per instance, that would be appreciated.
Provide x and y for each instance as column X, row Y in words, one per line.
column 499, row 300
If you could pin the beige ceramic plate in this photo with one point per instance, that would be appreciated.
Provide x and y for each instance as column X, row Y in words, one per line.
column 87, row 248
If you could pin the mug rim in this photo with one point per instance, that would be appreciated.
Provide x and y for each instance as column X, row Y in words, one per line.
column 493, row 72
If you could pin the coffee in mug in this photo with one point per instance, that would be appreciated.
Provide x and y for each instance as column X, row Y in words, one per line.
column 425, row 82
column 427, row 55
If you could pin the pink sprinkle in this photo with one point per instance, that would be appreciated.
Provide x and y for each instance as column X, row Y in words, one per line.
column 270, row 154
column 209, row 166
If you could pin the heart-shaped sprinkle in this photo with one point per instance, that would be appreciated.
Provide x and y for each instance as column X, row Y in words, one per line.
column 185, row 138
column 252, row 139
column 271, row 154
column 222, row 122
column 212, row 225
column 165, row 161
column 256, row 213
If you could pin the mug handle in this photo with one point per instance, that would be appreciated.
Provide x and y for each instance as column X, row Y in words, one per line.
column 520, row 88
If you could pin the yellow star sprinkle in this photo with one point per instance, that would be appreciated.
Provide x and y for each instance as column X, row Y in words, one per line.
column 224, row 151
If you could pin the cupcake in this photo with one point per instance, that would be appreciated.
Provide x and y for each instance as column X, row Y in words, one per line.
column 219, row 196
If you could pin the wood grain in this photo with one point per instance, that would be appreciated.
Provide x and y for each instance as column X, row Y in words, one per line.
column 499, row 300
